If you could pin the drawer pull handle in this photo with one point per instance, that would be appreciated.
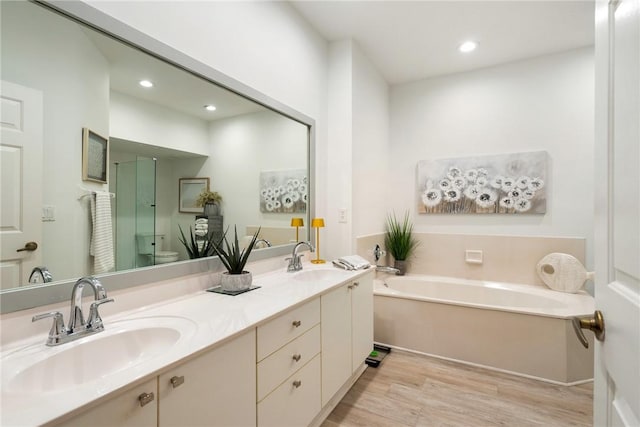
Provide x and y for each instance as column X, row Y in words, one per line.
column 297, row 357
column 356, row 284
column 177, row 381
column 297, row 323
column 297, row 383
column 350, row 287
column 145, row 398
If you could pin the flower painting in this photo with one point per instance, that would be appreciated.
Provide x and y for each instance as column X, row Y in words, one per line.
column 283, row 191
column 506, row 183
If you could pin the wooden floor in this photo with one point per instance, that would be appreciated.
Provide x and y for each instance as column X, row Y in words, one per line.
column 413, row 390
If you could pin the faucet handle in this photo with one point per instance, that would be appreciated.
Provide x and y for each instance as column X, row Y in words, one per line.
column 94, row 322
column 57, row 327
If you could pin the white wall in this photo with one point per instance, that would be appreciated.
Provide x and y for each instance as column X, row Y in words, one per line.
column 545, row 103
column 243, row 146
column 370, row 148
column 75, row 94
column 357, row 149
column 335, row 239
column 137, row 120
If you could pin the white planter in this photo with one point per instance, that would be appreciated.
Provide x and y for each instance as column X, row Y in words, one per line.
column 235, row 282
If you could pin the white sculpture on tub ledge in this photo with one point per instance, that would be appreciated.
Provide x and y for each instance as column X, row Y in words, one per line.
column 563, row 272
column 506, row 184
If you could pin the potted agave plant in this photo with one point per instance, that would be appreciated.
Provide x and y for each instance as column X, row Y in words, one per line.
column 197, row 247
column 234, row 260
column 399, row 241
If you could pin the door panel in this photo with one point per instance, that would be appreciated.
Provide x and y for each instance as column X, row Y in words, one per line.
column 617, row 365
column 21, row 173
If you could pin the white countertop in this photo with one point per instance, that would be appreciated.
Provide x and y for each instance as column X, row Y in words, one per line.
column 217, row 318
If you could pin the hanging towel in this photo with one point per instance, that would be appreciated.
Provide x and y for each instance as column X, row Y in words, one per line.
column 102, row 237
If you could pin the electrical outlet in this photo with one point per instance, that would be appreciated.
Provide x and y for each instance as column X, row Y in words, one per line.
column 342, row 215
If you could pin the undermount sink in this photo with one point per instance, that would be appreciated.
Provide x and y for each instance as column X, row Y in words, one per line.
column 320, row 275
column 123, row 344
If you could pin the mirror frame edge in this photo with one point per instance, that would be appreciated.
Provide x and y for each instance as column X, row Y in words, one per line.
column 23, row 298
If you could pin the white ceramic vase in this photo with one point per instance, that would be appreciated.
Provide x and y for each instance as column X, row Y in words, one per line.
column 235, row 282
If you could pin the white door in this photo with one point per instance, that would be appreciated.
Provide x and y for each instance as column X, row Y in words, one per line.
column 20, row 183
column 617, row 239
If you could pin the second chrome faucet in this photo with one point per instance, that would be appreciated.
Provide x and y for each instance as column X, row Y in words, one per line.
column 295, row 263
column 77, row 327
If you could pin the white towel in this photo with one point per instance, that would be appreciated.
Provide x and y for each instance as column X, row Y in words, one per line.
column 202, row 221
column 102, row 237
column 202, row 227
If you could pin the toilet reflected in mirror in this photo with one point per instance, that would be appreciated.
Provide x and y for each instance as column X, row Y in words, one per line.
column 151, row 250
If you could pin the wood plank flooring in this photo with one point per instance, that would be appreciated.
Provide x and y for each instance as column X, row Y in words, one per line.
column 409, row 390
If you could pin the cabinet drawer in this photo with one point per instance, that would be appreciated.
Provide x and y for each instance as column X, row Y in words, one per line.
column 277, row 367
column 286, row 327
column 289, row 405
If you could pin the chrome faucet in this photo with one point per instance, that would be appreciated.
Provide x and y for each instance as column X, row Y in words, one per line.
column 295, row 264
column 265, row 241
column 77, row 328
column 40, row 275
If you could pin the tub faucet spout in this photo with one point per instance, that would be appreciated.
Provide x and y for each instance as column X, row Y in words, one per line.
column 387, row 269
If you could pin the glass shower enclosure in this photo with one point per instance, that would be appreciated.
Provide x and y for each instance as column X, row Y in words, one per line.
column 135, row 213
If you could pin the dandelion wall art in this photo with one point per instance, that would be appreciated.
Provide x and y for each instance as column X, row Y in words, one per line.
column 505, row 183
column 283, row 191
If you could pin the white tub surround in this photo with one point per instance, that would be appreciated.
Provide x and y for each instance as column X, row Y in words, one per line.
column 521, row 329
column 222, row 331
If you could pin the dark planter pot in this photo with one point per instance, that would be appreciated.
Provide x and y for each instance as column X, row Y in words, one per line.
column 211, row 209
column 401, row 266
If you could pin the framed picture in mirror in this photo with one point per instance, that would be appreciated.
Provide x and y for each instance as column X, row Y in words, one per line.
column 190, row 189
column 95, row 156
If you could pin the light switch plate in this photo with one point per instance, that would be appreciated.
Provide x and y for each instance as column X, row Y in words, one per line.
column 48, row 213
column 342, row 215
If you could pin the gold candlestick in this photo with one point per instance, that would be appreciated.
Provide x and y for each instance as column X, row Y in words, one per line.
column 297, row 223
column 317, row 223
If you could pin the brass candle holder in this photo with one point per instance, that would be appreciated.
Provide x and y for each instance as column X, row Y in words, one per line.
column 317, row 223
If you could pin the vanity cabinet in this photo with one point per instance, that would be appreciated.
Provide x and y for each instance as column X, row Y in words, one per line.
column 216, row 388
column 347, row 332
column 283, row 372
column 288, row 367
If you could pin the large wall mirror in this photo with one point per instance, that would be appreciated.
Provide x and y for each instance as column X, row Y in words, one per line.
column 193, row 128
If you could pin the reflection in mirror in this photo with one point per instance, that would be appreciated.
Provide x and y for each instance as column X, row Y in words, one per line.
column 157, row 135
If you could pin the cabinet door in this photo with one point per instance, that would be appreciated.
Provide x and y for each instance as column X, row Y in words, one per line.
column 123, row 410
column 215, row 389
column 362, row 319
column 336, row 340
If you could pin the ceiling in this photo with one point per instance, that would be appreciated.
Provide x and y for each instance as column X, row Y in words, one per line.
column 173, row 87
column 413, row 40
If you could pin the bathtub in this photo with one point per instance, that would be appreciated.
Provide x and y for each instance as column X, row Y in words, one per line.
column 520, row 329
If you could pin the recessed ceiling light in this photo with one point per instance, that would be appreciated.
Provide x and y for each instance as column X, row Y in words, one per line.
column 468, row 46
column 145, row 83
column 210, row 107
